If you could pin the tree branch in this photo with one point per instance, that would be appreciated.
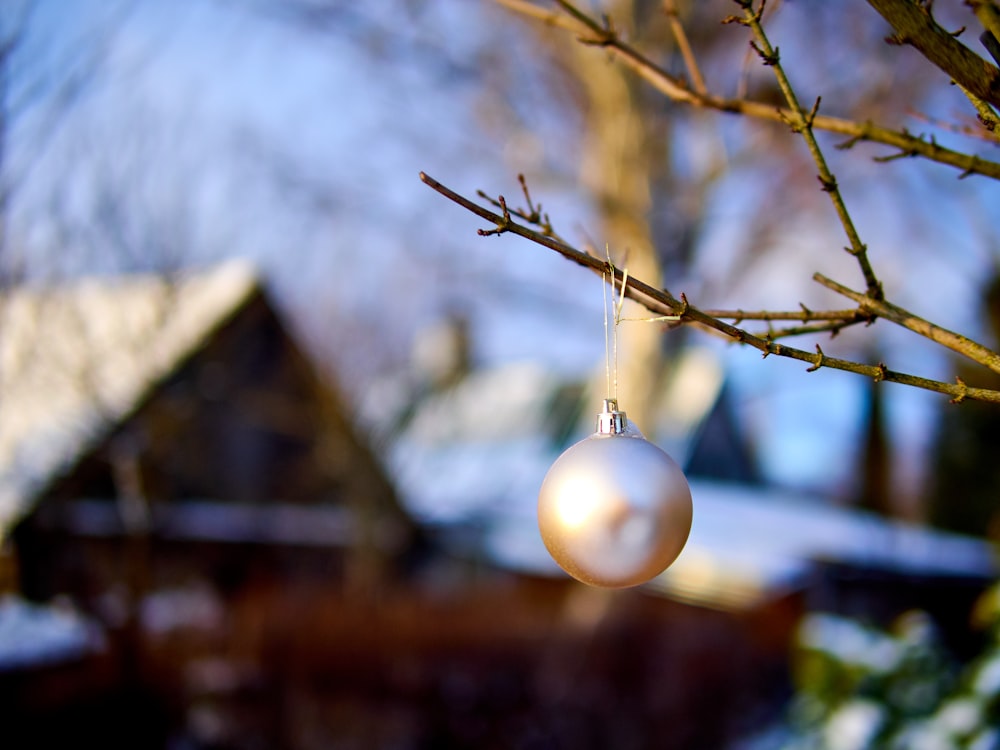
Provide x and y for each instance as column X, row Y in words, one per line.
column 986, row 114
column 680, row 37
column 677, row 90
column 914, row 25
column 802, row 123
column 805, row 315
column 662, row 302
column 832, row 327
column 833, row 321
column 988, row 14
column 954, row 341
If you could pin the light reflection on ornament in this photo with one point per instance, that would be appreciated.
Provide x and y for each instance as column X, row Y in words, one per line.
column 614, row 510
column 576, row 505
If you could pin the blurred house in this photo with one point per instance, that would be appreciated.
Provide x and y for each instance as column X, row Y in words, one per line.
column 180, row 410
column 203, row 549
column 166, row 450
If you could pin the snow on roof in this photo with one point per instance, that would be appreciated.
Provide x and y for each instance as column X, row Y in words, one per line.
column 76, row 359
column 479, row 453
column 749, row 543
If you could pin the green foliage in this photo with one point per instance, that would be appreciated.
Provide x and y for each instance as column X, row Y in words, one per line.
column 863, row 688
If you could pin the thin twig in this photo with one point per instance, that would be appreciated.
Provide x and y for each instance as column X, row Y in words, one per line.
column 804, row 314
column 532, row 214
column 829, row 321
column 982, row 133
column 684, row 46
column 662, row 302
column 802, row 122
column 832, row 327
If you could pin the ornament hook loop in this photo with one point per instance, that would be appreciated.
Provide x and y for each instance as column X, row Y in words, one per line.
column 611, row 421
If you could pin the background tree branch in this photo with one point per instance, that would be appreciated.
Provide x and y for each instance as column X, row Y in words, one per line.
column 591, row 29
column 914, row 25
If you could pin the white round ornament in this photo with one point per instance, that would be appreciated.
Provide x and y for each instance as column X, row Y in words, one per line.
column 614, row 510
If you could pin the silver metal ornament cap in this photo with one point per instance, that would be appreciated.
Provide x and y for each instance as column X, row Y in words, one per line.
column 611, row 421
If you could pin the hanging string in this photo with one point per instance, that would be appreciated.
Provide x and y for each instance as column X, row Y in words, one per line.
column 611, row 331
column 607, row 345
column 616, row 308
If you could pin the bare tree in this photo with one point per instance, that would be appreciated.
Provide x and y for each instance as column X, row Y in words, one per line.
column 39, row 92
column 914, row 25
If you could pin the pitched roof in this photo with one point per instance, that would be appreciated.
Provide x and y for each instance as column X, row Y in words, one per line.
column 76, row 359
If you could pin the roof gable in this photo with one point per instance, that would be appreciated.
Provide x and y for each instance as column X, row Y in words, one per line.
column 76, row 359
